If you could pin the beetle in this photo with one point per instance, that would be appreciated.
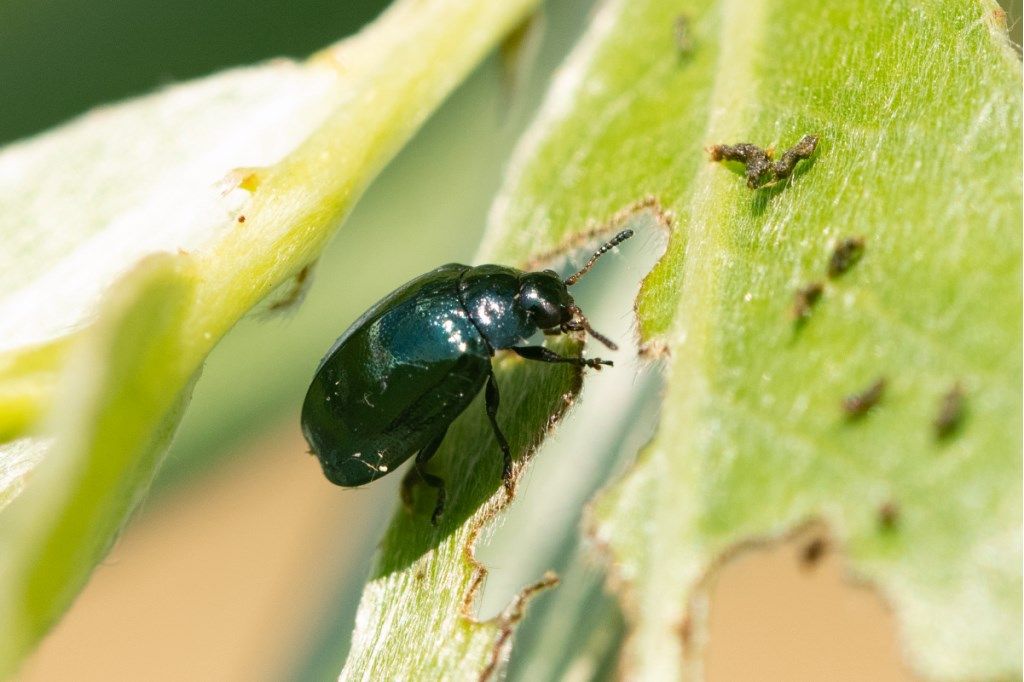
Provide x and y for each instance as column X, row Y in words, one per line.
column 395, row 380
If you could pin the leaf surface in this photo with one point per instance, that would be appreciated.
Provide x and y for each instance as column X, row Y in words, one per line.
column 417, row 614
column 917, row 107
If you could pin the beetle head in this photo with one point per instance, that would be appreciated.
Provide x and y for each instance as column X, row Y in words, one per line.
column 547, row 300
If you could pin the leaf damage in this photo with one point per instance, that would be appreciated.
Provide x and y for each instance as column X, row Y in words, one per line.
column 750, row 443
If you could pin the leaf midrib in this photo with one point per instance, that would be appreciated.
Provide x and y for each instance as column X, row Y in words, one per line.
column 740, row 26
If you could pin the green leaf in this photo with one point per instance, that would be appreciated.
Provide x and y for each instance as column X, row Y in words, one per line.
column 114, row 409
column 246, row 174
column 918, row 110
column 427, row 584
column 426, row 581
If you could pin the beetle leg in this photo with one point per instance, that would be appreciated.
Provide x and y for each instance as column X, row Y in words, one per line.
column 493, row 399
column 419, row 469
column 542, row 354
column 408, row 481
column 437, row 483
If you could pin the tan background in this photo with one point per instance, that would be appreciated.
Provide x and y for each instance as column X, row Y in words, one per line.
column 222, row 581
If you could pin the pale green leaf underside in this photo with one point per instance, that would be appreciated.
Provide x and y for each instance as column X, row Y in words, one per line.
column 87, row 203
column 918, row 108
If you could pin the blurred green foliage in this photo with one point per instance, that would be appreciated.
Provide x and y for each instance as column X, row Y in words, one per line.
column 61, row 57
column 360, row 135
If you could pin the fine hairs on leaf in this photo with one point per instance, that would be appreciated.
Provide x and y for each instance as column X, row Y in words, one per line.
column 922, row 289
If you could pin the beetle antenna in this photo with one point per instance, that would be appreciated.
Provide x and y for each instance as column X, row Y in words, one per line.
column 585, row 324
column 615, row 241
column 600, row 337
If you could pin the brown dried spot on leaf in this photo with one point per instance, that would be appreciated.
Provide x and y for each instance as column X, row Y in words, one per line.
column 858, row 404
column 951, row 412
column 845, row 255
column 813, row 551
column 760, row 169
column 888, row 516
column 682, row 32
column 804, row 299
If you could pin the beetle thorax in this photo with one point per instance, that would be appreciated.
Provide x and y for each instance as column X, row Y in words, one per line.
column 491, row 296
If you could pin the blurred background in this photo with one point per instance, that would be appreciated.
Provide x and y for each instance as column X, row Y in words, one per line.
column 245, row 563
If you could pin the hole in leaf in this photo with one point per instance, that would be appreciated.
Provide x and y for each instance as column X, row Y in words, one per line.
column 775, row 616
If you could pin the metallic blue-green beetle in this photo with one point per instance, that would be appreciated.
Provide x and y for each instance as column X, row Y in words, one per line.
column 392, row 384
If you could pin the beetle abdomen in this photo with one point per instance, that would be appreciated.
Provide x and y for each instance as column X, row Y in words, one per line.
column 352, row 456
column 394, row 380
